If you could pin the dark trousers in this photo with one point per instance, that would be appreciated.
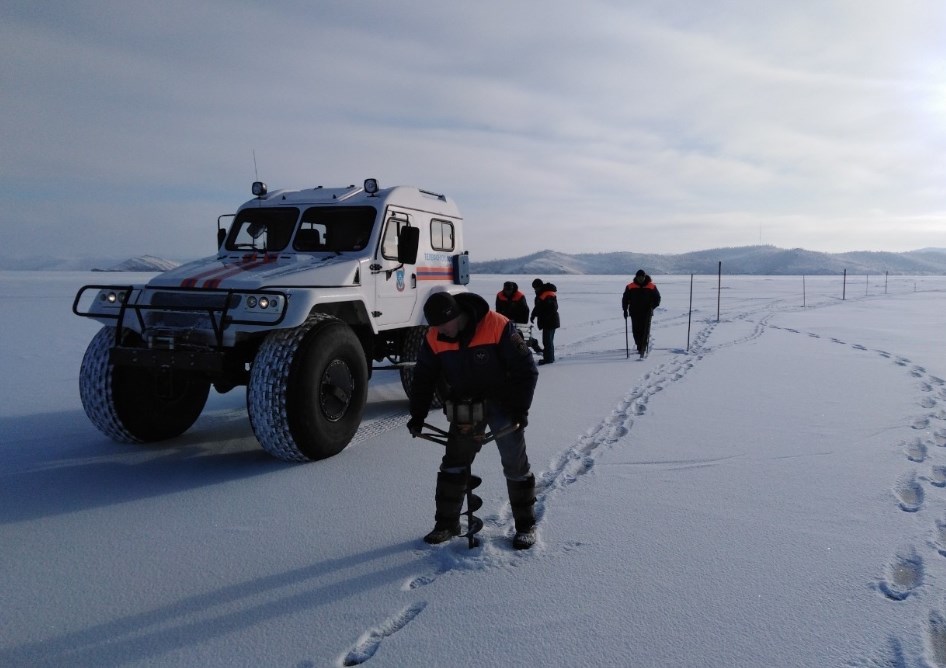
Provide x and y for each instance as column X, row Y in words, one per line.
column 640, row 325
column 461, row 451
column 548, row 345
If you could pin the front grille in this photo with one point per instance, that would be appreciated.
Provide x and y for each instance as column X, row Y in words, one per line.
column 194, row 300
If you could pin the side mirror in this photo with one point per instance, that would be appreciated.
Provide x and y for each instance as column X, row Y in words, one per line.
column 221, row 235
column 407, row 243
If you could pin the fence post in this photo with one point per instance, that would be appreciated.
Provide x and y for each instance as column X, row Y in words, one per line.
column 844, row 288
column 719, row 288
column 690, row 316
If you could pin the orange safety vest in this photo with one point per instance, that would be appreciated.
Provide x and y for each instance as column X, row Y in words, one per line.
column 488, row 332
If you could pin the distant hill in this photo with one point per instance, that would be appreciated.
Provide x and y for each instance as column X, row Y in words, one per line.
column 756, row 260
column 143, row 263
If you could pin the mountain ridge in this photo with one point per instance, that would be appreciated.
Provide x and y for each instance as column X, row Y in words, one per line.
column 753, row 260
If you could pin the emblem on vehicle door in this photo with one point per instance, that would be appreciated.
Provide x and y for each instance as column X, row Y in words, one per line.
column 400, row 279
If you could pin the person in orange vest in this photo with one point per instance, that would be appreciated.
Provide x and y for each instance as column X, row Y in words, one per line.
column 545, row 312
column 511, row 303
column 640, row 299
column 479, row 356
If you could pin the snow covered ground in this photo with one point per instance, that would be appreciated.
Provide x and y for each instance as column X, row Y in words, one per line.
column 773, row 496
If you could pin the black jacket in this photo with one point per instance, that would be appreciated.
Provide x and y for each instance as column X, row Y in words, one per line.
column 516, row 308
column 640, row 297
column 488, row 360
column 545, row 311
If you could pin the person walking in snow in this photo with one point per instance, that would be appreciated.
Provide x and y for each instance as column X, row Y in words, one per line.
column 545, row 315
column 640, row 299
column 480, row 356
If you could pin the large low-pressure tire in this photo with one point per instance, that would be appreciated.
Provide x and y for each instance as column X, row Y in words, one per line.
column 137, row 405
column 410, row 349
column 307, row 390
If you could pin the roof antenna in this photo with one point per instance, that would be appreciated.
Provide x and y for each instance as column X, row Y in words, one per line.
column 255, row 170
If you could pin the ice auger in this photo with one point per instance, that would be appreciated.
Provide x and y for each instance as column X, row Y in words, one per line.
column 469, row 429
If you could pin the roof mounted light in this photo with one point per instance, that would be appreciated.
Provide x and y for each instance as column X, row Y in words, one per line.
column 371, row 187
column 259, row 188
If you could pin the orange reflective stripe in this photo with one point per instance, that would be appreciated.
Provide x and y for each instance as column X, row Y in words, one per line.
column 501, row 296
column 439, row 346
column 488, row 331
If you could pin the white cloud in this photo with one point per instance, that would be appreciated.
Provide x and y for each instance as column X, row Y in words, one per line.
column 671, row 120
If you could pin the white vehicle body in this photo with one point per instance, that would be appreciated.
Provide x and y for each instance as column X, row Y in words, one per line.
column 290, row 261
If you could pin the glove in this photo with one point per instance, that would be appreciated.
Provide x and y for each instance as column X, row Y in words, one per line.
column 521, row 419
column 415, row 425
column 625, row 314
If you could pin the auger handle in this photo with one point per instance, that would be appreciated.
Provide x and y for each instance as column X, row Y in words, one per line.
column 440, row 435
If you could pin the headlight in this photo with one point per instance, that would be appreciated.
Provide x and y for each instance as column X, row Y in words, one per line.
column 263, row 302
column 112, row 297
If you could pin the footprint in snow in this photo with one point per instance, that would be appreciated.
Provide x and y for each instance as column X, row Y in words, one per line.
column 938, row 476
column 371, row 639
column 921, row 423
column 927, row 402
column 939, row 437
column 939, row 537
column 909, row 493
column 858, row 346
column 936, row 639
column 915, row 451
column 904, row 574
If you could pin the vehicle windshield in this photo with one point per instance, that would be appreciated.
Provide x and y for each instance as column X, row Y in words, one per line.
column 335, row 229
column 263, row 229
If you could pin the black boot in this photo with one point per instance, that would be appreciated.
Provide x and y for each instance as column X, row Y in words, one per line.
column 522, row 500
column 451, row 488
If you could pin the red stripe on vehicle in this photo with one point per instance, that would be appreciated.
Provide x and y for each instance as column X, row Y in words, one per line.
column 191, row 281
column 434, row 273
column 236, row 269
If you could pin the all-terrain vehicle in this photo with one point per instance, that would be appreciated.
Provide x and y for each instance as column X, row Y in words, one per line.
column 308, row 291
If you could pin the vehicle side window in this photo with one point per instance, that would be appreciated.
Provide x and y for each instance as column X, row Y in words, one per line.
column 441, row 235
column 391, row 232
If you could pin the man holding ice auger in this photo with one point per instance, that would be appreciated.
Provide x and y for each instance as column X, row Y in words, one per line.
column 640, row 299
column 482, row 358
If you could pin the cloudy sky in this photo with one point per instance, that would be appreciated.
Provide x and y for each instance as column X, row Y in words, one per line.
column 659, row 126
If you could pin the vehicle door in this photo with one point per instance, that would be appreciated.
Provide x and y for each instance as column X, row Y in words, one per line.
column 395, row 284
